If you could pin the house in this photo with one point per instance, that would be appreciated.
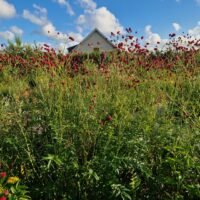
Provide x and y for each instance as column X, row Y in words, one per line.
column 95, row 41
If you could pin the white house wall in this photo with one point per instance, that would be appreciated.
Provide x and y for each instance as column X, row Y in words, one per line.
column 94, row 41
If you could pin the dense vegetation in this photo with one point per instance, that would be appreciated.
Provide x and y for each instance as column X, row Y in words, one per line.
column 124, row 125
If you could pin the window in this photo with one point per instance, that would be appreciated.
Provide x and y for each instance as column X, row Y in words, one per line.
column 96, row 49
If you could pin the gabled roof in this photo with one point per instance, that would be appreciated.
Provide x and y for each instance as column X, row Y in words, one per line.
column 88, row 36
column 71, row 48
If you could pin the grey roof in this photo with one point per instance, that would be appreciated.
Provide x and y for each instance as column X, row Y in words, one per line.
column 70, row 49
column 95, row 30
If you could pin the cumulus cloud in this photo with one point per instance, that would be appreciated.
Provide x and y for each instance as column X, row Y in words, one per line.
column 88, row 4
column 66, row 4
column 176, row 26
column 7, row 35
column 16, row 30
column 40, row 9
column 36, row 18
column 7, row 10
column 100, row 18
column 152, row 38
column 195, row 31
column 11, row 33
column 39, row 17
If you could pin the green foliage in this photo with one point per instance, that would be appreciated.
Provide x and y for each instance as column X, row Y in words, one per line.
column 119, row 133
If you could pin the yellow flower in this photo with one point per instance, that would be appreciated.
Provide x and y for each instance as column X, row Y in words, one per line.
column 13, row 180
column 1, row 189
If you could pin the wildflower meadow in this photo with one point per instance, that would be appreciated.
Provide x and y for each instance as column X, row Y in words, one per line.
column 106, row 125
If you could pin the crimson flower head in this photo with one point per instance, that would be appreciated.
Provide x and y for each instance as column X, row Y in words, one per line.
column 120, row 45
column 118, row 32
column 46, row 45
column 109, row 118
column 2, row 198
column 172, row 35
column 71, row 38
column 6, row 192
column 137, row 46
column 3, row 174
column 130, row 37
column 112, row 34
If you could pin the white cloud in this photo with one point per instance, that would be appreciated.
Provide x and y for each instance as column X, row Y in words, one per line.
column 152, row 38
column 198, row 2
column 88, row 4
column 39, row 9
column 37, row 18
column 176, row 26
column 67, row 5
column 7, row 35
column 100, row 18
column 16, row 30
column 11, row 33
column 50, row 31
column 195, row 31
column 7, row 10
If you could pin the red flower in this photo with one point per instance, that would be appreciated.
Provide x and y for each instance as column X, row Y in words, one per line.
column 120, row 45
column 137, row 46
column 3, row 174
column 46, row 45
column 112, row 34
column 3, row 198
column 130, row 37
column 108, row 118
column 6, row 192
column 172, row 35
column 90, row 108
column 71, row 38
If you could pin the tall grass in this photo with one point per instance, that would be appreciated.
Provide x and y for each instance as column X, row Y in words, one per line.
column 120, row 134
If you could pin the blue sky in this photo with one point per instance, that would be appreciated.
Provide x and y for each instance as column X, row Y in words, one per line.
column 40, row 21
